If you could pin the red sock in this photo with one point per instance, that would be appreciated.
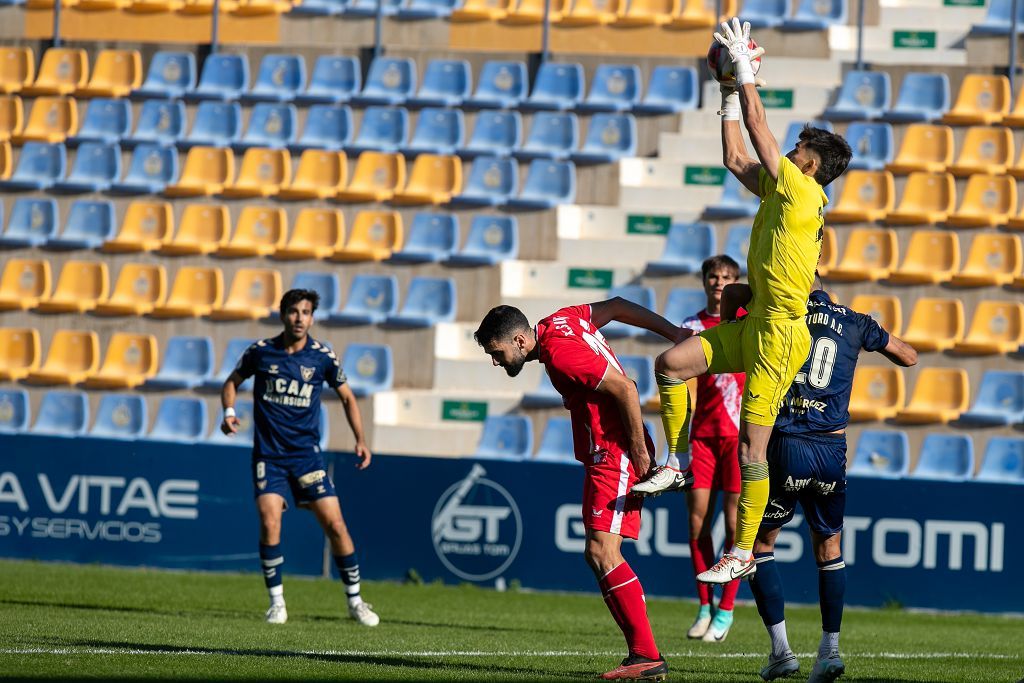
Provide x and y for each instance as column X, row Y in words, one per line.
column 625, row 599
column 702, row 554
column 730, row 589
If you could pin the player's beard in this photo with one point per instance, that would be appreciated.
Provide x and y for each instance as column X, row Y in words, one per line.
column 514, row 367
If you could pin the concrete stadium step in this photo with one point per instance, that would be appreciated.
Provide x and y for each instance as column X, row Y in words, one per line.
column 707, row 123
column 950, row 19
column 802, row 98
column 634, row 251
column 879, row 46
column 561, row 280
column 783, row 72
column 449, row 440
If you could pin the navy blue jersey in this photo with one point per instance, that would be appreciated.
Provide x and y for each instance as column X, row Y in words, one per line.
column 819, row 398
column 286, row 393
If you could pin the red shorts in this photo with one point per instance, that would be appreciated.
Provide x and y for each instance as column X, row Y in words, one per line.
column 607, row 503
column 715, row 463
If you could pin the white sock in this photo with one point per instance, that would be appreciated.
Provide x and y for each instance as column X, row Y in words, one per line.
column 780, row 643
column 744, row 555
column 276, row 595
column 679, row 461
column 829, row 645
column 354, row 600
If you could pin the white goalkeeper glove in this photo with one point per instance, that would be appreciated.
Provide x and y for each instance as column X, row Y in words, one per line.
column 736, row 39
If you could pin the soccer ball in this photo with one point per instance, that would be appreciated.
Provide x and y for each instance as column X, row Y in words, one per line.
column 720, row 64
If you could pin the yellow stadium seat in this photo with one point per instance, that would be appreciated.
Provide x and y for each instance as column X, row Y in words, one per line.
column 203, row 229
column 196, row 291
column 101, row 5
column 886, row 310
column 983, row 99
column 589, row 12
column 988, row 201
column 262, row 173
column 376, row 177
column 48, row 4
column 6, row 163
column 52, row 119
column 24, row 283
column 255, row 294
column 375, row 234
column 867, row 196
column 933, row 256
column 993, row 260
column 62, row 72
column 696, row 14
column 829, row 252
column 80, row 286
column 153, row 6
column 1015, row 119
column 73, row 357
column 255, row 8
column 997, row 327
column 319, row 175
column 1016, row 223
column 871, row 254
column 925, row 147
column 131, row 360
column 481, row 10
column 19, row 353
column 17, row 68
column 115, row 74
column 532, row 12
column 433, row 180
column 940, row 395
column 12, row 116
column 1017, row 168
column 986, row 149
column 146, row 227
column 637, row 13
column 139, row 288
column 260, row 231
column 205, row 172
column 928, row 199
column 878, row 393
column 318, row 233
column 206, row 6
column 935, row 324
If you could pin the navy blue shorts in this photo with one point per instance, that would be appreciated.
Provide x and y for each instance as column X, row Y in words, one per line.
column 305, row 476
column 809, row 469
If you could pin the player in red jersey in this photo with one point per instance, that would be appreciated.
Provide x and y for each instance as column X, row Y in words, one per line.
column 609, row 439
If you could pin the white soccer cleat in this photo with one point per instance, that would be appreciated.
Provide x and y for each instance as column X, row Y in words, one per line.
column 364, row 614
column 277, row 614
column 729, row 568
column 719, row 627
column 663, row 479
column 827, row 670
column 783, row 667
column 700, row 624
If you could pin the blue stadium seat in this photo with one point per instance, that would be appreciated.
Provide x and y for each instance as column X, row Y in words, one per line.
column 672, row 89
column 120, row 416
column 864, row 95
column 508, row 437
column 371, row 299
column 246, row 427
column 544, row 395
column 492, row 182
column 432, row 238
column 160, row 121
column 326, row 285
column 881, row 453
column 368, row 8
column 922, row 97
column 794, row 130
column 97, row 165
column 638, row 294
column 640, row 369
column 502, row 85
column 153, row 166
column 686, row 247
column 610, row 137
column 170, row 75
column 999, row 401
column 438, row 131
column 232, row 353
column 182, row 419
column 334, row 80
column 224, row 77
column 62, row 413
column 40, row 164
column 496, row 133
column 389, row 81
column 736, row 201
column 89, row 224
column 872, row 144
column 446, row 83
column 328, row 127
column 1003, row 461
column 616, row 87
column 945, row 456
column 383, row 129
column 737, row 242
column 553, row 135
column 427, row 9
column 817, row 15
column 369, row 368
column 32, row 223
column 188, row 362
column 106, row 120
column 428, row 301
column 998, row 19
column 216, row 124
column 682, row 302
column 764, row 13
column 319, row 8
column 557, row 87
column 280, row 78
column 491, row 240
column 548, row 184
column 15, row 411
column 556, row 443
column 270, row 125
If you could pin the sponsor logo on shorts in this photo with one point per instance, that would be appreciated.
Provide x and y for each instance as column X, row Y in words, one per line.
column 312, row 478
column 778, row 513
column 822, row 487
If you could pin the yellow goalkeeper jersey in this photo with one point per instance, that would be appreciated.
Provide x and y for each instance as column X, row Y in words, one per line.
column 785, row 243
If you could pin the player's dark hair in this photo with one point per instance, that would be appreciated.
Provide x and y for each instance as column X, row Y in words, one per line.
column 831, row 148
column 719, row 262
column 500, row 324
column 294, row 296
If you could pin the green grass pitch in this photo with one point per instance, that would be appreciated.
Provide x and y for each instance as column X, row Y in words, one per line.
column 68, row 621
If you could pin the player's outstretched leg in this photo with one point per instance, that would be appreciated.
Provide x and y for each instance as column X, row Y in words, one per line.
column 766, row 586
column 272, row 561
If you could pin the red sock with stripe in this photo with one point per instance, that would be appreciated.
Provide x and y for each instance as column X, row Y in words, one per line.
column 702, row 553
column 625, row 599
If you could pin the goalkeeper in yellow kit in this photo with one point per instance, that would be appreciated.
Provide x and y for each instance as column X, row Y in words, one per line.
column 772, row 342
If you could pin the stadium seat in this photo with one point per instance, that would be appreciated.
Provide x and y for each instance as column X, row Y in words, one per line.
column 326, row 285
column 255, row 8
column 23, row 283
column 390, row 81
column 116, row 73
column 686, row 247
column 61, row 72
column 610, row 137
column 19, row 352
column 97, row 165
column 556, row 87
column 501, row 85
column 736, row 201
column 864, row 95
column 1015, row 119
column 383, row 129
column 886, row 310
column 205, row 172
column 922, row 97
column 925, row 147
column 106, row 120
column 1000, row 400
column 946, row 457
column 232, row 353
column 89, row 224
column 369, row 368
column 328, row 127
column 432, row 180
column 15, row 411
column 279, row 79
column 371, row 299
column 872, row 144
column 640, row 369
column 552, row 136
column 643, row 13
column 146, row 226
column 31, row 224
column 374, row 236
column 614, row 88
column 877, row 394
column 335, row 78
column 438, row 131
column 160, row 121
column 426, row 9
column 556, row 443
column 6, row 161
column 17, row 68
column 829, row 253
column 637, row 294
column 940, row 396
column 871, row 254
column 935, row 324
column 983, row 99
column 120, row 416
column 428, row 301
column 73, row 357
column 216, row 124
column 881, row 453
column 12, row 115
column 491, row 240
column 270, row 125
column 508, row 437
column 997, row 327
column 62, row 413
column 480, row 10
column 262, row 174
column 812, row 15
column 576, row 13
column 998, row 19
column 681, row 303
column 492, row 181
column 737, row 243
column 376, row 177
column 131, row 359
column 988, row 201
column 432, row 238
column 152, row 167
column 932, row 257
column 446, row 83
column 985, row 149
column 867, row 196
column 368, row 8
column 764, row 13
column 170, row 76
column 139, row 288
column 695, row 14
column 80, row 286
column 203, row 229
column 51, row 119
column 317, row 234
column 255, row 294
column 224, row 77
column 992, row 260
column 543, row 396
column 319, row 175
column 672, row 89
column 547, row 184
column 196, row 291
column 928, row 199
column 522, row 12
column 1003, row 461
column 183, row 420
column 259, row 232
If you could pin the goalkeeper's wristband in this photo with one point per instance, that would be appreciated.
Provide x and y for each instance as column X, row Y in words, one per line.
column 229, row 412
column 744, row 71
column 730, row 106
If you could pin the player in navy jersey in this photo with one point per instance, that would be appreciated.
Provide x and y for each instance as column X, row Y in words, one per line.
column 290, row 371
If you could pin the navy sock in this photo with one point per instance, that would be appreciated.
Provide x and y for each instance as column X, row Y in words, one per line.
column 831, row 589
column 272, row 560
column 348, row 567
column 766, row 585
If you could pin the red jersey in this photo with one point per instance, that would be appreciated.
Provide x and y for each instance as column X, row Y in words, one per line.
column 576, row 356
column 717, row 409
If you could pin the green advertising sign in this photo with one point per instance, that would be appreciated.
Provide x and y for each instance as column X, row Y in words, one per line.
column 777, row 99
column 590, row 279
column 464, row 411
column 703, row 175
column 913, row 40
column 648, row 225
